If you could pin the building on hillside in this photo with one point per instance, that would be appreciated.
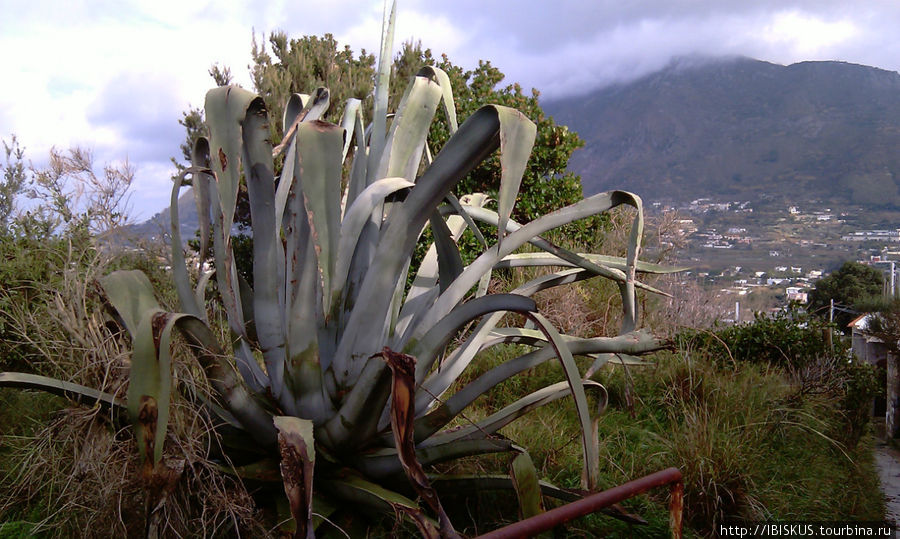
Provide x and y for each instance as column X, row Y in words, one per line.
column 795, row 293
column 892, row 235
column 866, row 346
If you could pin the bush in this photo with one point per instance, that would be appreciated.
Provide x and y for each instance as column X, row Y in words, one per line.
column 788, row 339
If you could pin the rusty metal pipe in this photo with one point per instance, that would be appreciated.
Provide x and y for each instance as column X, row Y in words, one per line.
column 676, row 508
column 590, row 504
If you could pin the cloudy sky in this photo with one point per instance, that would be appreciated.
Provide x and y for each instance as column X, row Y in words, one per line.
column 114, row 75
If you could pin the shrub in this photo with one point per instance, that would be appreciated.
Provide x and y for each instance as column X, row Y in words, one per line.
column 789, row 339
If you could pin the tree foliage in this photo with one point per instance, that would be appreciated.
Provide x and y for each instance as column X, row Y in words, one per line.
column 304, row 64
column 850, row 286
column 73, row 211
column 286, row 66
column 13, row 181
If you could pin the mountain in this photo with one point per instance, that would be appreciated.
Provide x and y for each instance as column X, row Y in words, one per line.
column 743, row 129
column 160, row 223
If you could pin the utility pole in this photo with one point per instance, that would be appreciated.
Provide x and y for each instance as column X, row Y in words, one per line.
column 892, row 279
column 831, row 312
column 737, row 312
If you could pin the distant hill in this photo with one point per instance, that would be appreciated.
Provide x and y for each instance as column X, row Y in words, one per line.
column 160, row 223
column 743, row 129
column 727, row 128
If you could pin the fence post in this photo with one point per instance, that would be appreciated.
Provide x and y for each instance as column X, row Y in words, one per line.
column 892, row 395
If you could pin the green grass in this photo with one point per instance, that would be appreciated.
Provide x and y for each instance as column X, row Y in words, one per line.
column 753, row 444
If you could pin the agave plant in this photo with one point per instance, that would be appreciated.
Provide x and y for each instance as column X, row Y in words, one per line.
column 339, row 364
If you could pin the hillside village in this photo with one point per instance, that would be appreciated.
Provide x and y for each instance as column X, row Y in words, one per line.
column 768, row 254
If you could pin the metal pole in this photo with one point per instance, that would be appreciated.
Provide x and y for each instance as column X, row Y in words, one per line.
column 831, row 312
column 737, row 312
column 892, row 278
column 590, row 504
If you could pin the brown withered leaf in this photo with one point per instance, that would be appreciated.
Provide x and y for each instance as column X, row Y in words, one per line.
column 403, row 388
column 295, row 441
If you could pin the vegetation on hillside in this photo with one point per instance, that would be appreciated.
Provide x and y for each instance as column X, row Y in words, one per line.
column 743, row 129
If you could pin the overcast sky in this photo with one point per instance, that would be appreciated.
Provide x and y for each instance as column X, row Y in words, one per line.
column 114, row 75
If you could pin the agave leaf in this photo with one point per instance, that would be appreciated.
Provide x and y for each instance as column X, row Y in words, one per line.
column 131, row 295
column 637, row 342
column 450, row 264
column 625, row 360
column 523, row 260
column 304, row 307
column 403, row 387
column 629, row 300
column 397, row 299
column 352, row 487
column 357, row 181
column 576, row 385
column 150, row 379
column 349, row 121
column 423, row 290
column 525, row 481
column 473, row 272
column 230, row 388
column 229, row 288
column 516, row 142
column 317, row 106
column 363, row 494
column 413, row 307
column 357, row 418
column 226, row 108
column 508, row 414
column 384, row 463
column 285, row 181
column 561, row 256
column 319, row 147
column 440, row 76
column 295, row 105
column 471, row 200
column 382, row 82
column 148, row 391
column 74, row 392
column 441, row 333
column 298, row 457
column 439, row 382
column 200, row 291
column 312, row 110
column 474, row 141
column 130, row 291
column 201, row 185
column 354, row 220
column 268, row 254
column 409, row 129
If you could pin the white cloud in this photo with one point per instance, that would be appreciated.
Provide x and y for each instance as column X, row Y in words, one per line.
column 115, row 75
column 807, row 35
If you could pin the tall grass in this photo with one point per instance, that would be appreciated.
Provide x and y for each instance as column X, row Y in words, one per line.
column 72, row 472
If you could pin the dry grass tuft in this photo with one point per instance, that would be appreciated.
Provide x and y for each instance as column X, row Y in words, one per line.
column 77, row 474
